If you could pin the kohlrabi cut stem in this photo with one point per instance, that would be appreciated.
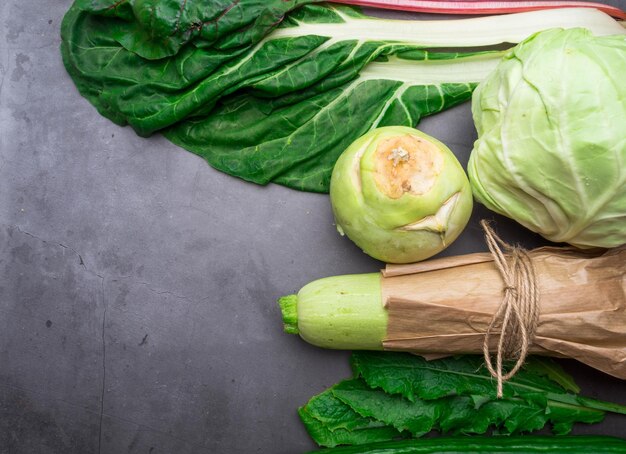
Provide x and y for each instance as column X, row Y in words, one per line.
column 481, row 7
column 461, row 33
column 339, row 312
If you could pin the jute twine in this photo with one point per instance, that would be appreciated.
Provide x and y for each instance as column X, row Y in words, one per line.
column 517, row 317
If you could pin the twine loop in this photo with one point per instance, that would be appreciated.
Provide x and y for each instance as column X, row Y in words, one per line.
column 518, row 314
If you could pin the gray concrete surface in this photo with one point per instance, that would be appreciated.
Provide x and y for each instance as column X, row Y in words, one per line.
column 138, row 285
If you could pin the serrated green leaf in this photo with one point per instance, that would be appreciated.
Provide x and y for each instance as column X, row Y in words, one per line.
column 330, row 422
column 452, row 414
column 563, row 416
column 395, row 411
column 546, row 366
column 454, row 395
column 334, row 414
column 414, row 377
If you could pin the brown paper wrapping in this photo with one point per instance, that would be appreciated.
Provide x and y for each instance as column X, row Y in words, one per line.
column 444, row 306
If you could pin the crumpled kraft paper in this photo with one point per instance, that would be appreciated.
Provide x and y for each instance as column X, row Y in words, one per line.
column 444, row 306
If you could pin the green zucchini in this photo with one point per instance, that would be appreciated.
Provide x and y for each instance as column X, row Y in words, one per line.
column 583, row 444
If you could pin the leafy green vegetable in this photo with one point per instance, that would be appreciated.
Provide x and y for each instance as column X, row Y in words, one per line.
column 551, row 148
column 274, row 90
column 543, row 366
column 413, row 397
column 330, row 422
column 306, row 96
column 456, row 414
column 414, row 377
column 297, row 144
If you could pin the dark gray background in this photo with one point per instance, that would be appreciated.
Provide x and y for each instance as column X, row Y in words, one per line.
column 138, row 285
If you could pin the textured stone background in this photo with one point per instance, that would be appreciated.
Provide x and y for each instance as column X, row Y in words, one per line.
column 138, row 285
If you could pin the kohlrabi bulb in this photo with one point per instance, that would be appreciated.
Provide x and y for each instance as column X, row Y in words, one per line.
column 400, row 195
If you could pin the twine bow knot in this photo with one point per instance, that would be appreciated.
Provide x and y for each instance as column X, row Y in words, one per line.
column 517, row 317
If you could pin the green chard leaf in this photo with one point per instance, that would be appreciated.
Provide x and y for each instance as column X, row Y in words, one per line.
column 297, row 145
column 158, row 29
column 268, row 91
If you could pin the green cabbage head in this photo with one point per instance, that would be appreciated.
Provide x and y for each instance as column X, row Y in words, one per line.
column 551, row 148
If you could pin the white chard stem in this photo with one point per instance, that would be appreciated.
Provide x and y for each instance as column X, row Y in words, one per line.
column 475, row 32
